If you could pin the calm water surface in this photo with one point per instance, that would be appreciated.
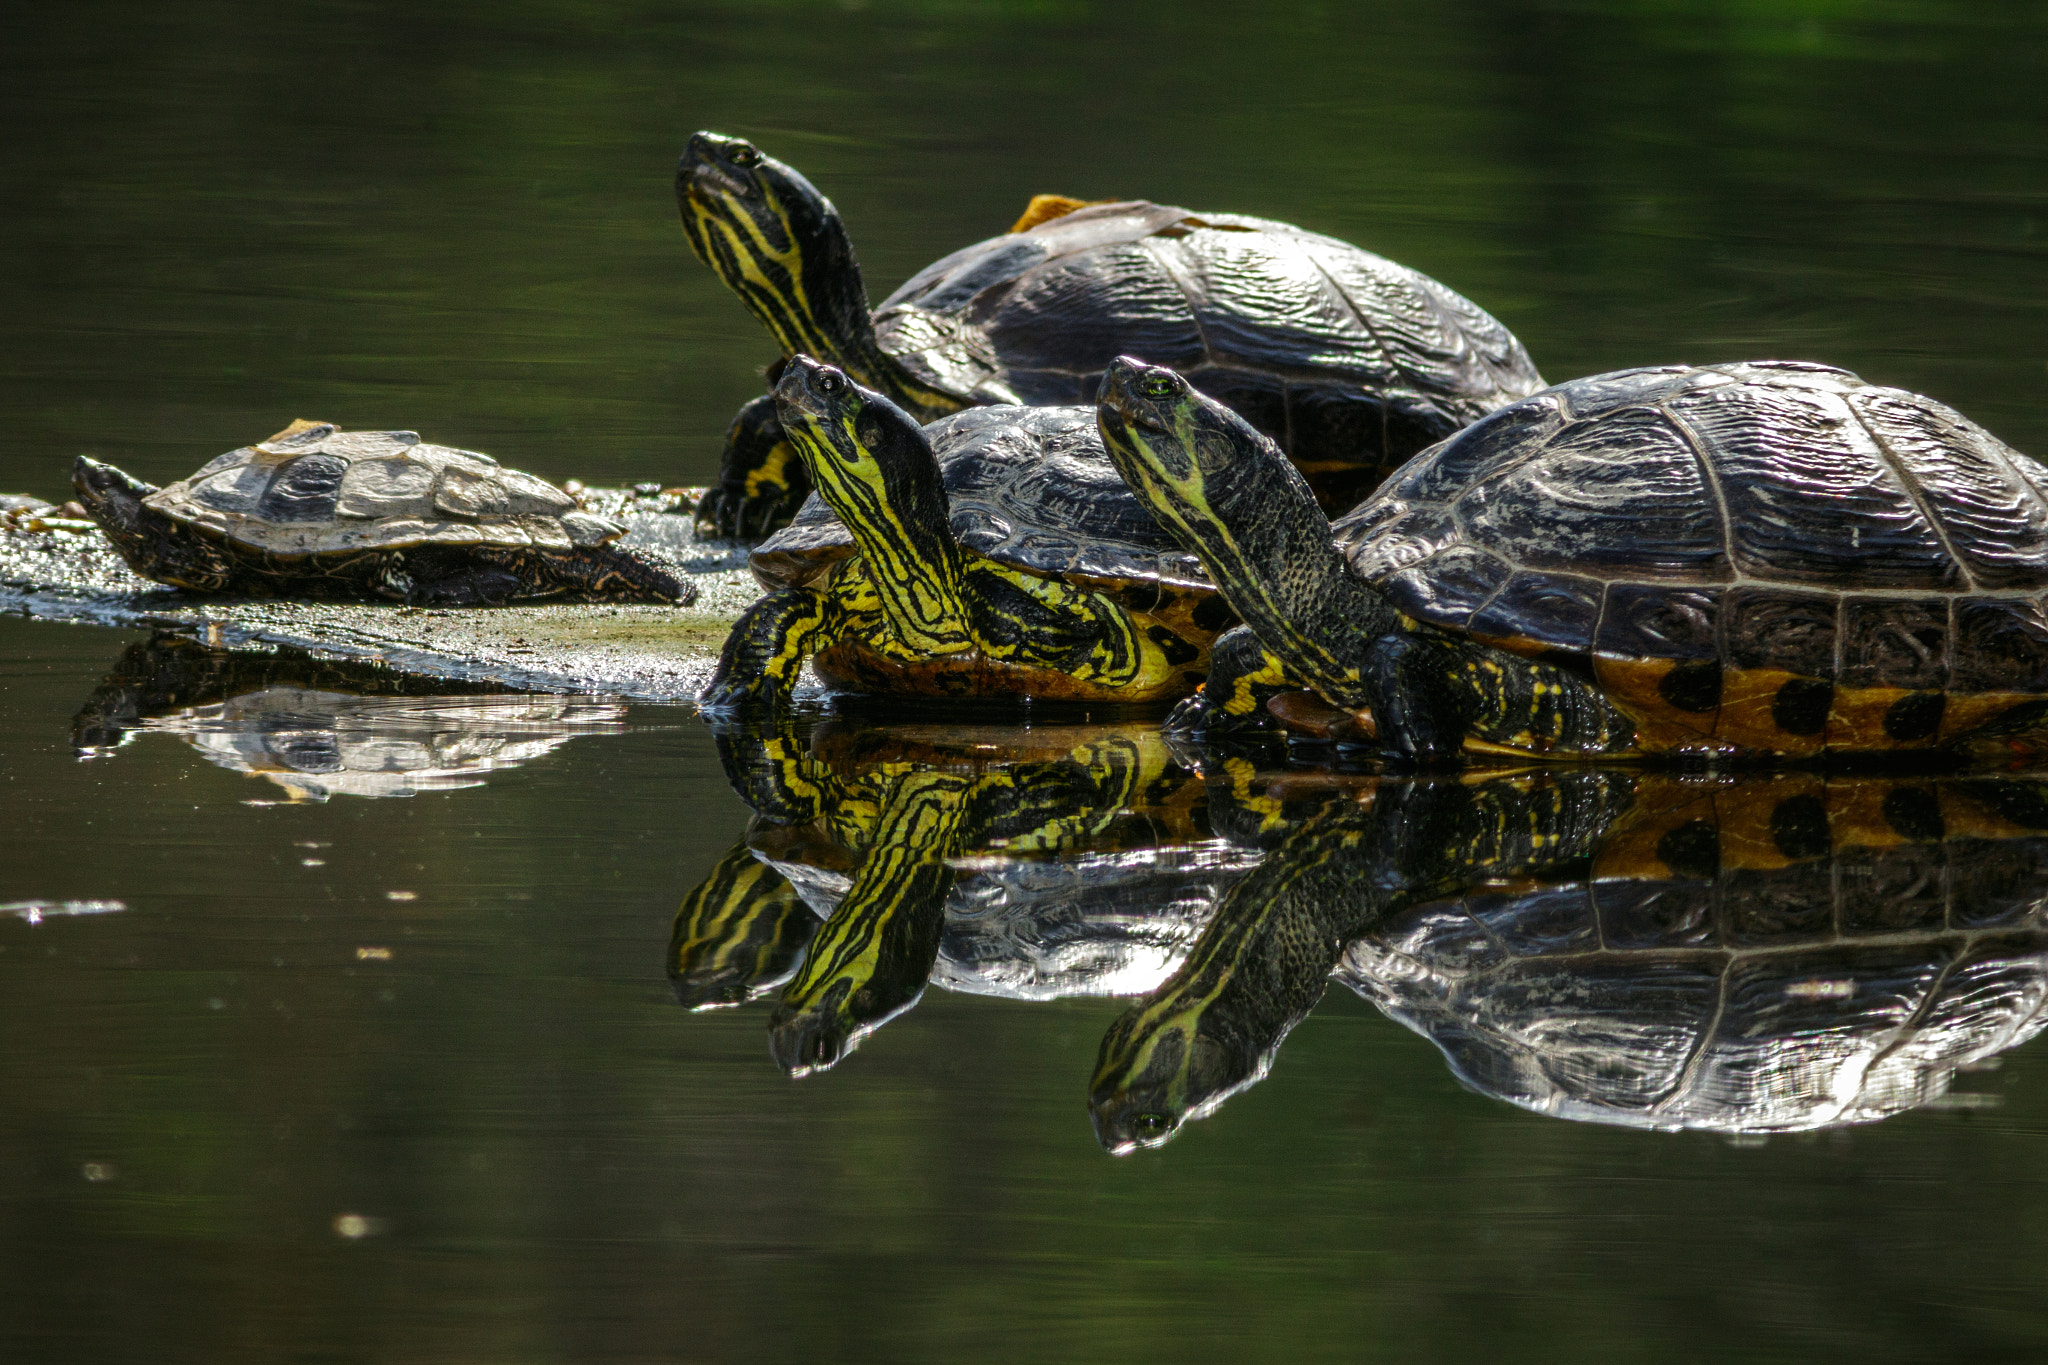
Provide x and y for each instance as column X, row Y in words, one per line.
column 269, row 1111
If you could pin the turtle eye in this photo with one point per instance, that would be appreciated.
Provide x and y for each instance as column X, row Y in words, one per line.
column 830, row 383
column 1157, row 386
column 743, row 154
column 1150, row 1127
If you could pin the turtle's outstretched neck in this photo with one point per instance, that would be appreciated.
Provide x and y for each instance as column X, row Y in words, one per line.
column 781, row 246
column 1229, row 495
column 872, row 463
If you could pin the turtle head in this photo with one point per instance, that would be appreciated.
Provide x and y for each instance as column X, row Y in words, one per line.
column 114, row 500
column 151, row 543
column 1189, row 458
column 779, row 245
column 1229, row 496
column 109, row 496
column 873, row 464
column 1158, row 1069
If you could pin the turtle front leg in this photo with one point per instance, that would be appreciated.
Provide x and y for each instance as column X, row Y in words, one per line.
column 766, row 650
column 1434, row 695
column 1243, row 677
column 761, row 479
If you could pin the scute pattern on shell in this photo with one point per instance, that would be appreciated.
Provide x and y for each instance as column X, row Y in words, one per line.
column 1771, row 516
column 320, row 490
column 1028, row 487
column 1291, row 328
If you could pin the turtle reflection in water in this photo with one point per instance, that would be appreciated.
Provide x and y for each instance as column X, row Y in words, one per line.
column 1756, row 955
column 320, row 728
column 1022, row 863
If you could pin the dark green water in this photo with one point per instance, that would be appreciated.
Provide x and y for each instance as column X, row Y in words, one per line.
column 221, row 216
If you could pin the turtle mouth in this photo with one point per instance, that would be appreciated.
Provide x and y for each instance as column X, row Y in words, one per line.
column 1131, row 415
column 707, row 182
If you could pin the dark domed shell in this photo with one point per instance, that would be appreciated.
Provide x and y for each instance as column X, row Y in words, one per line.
column 1331, row 350
column 1755, row 523
column 1028, row 487
column 315, row 489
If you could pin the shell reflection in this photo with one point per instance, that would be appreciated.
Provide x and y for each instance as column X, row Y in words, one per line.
column 319, row 728
column 1764, row 956
column 1743, row 954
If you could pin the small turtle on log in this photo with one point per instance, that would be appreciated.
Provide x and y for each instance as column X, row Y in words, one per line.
column 315, row 511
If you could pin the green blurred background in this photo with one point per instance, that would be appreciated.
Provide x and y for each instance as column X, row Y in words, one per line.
column 215, row 217
column 458, row 218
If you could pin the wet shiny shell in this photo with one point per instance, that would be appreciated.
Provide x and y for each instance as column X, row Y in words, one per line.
column 1332, row 351
column 1777, row 555
column 1028, row 487
column 1746, row 970
column 321, row 490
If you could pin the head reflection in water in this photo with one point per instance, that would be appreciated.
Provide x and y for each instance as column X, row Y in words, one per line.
column 1264, row 960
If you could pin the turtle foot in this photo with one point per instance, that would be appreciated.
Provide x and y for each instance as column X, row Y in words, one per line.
column 731, row 514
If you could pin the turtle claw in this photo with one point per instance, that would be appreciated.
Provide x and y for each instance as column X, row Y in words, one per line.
column 741, row 698
column 1196, row 718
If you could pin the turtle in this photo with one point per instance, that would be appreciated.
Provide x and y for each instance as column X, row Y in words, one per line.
column 999, row 556
column 1340, row 866
column 318, row 512
column 1351, row 361
column 320, row 728
column 1768, row 559
column 1738, row 953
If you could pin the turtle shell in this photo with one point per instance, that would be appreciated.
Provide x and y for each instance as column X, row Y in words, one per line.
column 1339, row 355
column 314, row 489
column 1029, row 487
column 1770, row 555
column 1765, row 956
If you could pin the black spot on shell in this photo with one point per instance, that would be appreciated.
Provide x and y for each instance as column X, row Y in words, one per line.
column 303, row 489
column 1214, row 614
column 1176, row 650
column 1802, row 705
column 2022, row 803
column 1915, row 717
column 1694, row 686
column 1915, row 813
column 1692, row 850
column 1142, row 597
column 1799, row 827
